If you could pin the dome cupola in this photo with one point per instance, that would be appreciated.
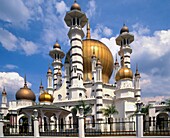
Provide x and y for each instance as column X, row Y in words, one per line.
column 25, row 93
column 124, row 73
column 46, row 97
column 124, row 29
column 75, row 6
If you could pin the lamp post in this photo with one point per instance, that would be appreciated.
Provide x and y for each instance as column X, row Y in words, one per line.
column 139, row 106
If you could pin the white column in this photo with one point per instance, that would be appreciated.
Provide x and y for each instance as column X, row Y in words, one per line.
column 30, row 124
column 1, row 128
column 81, row 124
column 36, row 124
column 139, row 125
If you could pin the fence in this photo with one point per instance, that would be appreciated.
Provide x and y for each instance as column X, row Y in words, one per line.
column 117, row 127
column 59, row 130
column 153, row 127
column 18, row 130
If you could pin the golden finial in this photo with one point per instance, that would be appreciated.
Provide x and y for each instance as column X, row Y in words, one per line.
column 88, row 36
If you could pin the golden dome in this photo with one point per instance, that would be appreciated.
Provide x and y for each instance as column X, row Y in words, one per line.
column 46, row 97
column 124, row 29
column 124, row 73
column 102, row 52
column 49, row 71
column 57, row 45
column 25, row 93
column 75, row 6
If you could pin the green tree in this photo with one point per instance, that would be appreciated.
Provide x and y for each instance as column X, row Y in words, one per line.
column 167, row 107
column 109, row 110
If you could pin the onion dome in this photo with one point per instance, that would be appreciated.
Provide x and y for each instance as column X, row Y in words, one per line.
column 99, row 63
column 124, row 73
column 57, row 45
column 49, row 71
column 75, row 6
column 124, row 29
column 4, row 92
column 25, row 93
column 46, row 97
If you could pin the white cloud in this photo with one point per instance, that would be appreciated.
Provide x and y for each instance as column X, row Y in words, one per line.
column 14, row 12
column 10, row 66
column 10, row 42
column 156, row 45
column 12, row 82
column 61, row 7
column 157, row 99
column 91, row 8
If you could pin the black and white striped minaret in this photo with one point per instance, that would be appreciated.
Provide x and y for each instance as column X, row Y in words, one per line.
column 76, row 20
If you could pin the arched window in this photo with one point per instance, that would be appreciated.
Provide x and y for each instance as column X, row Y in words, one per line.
column 80, row 95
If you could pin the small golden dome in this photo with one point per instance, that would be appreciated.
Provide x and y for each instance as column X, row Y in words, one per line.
column 75, row 6
column 49, row 71
column 4, row 92
column 124, row 29
column 124, row 73
column 59, row 72
column 98, row 63
column 45, row 97
column 57, row 45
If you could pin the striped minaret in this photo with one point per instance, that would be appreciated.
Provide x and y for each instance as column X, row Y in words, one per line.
column 99, row 92
column 57, row 54
column 76, row 20
column 124, row 40
column 137, row 85
column 50, row 81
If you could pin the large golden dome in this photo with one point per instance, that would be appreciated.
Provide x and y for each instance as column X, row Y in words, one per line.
column 45, row 97
column 103, row 53
column 25, row 93
column 124, row 73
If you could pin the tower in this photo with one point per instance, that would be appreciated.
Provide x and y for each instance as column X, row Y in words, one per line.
column 76, row 20
column 137, row 85
column 50, row 81
column 124, row 40
column 4, row 98
column 57, row 54
column 99, row 90
column 41, row 88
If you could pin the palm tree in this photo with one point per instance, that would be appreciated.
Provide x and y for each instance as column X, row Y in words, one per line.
column 167, row 108
column 109, row 111
column 87, row 109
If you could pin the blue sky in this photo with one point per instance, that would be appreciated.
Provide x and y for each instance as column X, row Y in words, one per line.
column 28, row 30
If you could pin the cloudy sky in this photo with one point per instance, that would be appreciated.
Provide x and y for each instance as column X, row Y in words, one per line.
column 29, row 28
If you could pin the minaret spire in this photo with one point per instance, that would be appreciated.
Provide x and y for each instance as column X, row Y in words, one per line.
column 25, row 81
column 88, row 36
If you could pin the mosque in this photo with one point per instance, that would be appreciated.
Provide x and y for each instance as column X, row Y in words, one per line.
column 88, row 67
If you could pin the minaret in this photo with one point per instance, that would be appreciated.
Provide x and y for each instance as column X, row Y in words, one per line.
column 59, row 79
column 57, row 54
column 137, row 84
column 99, row 92
column 41, row 88
column 50, row 81
column 88, row 36
column 124, row 40
column 116, row 66
column 4, row 98
column 76, row 20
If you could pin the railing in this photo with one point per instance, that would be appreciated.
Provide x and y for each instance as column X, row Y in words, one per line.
column 18, row 130
column 159, row 127
column 59, row 130
column 117, row 127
